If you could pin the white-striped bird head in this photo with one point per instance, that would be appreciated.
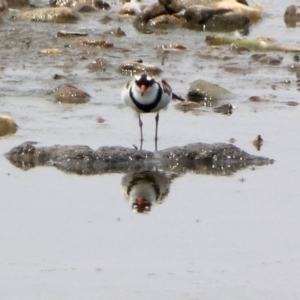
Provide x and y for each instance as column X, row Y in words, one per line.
column 144, row 82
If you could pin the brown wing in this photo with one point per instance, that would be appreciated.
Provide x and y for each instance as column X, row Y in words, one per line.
column 168, row 90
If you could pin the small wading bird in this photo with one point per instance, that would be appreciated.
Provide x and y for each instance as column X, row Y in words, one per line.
column 147, row 94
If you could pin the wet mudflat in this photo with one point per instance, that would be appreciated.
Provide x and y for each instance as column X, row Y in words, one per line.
column 213, row 236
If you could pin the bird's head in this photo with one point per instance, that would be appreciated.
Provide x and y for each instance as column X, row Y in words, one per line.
column 141, row 205
column 144, row 82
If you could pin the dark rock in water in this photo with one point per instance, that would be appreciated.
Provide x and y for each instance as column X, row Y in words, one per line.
column 64, row 33
column 147, row 13
column 296, row 57
column 98, row 64
column 133, row 67
column 17, row 3
column 199, row 157
column 208, row 94
column 101, row 4
column 116, row 32
column 209, row 19
column 3, row 6
column 95, row 43
column 172, row 6
column 80, row 159
column 167, row 22
column 67, row 93
column 266, row 59
column 292, row 15
column 150, row 12
column 217, row 158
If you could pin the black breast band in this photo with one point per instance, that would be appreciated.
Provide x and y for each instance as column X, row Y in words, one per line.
column 146, row 107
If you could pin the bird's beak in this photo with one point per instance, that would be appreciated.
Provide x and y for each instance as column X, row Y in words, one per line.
column 140, row 200
column 143, row 89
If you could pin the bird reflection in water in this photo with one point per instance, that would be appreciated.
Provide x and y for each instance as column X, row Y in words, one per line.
column 144, row 188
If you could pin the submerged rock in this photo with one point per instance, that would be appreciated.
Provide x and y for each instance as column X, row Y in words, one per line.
column 199, row 157
column 98, row 64
column 67, row 93
column 7, row 125
column 49, row 14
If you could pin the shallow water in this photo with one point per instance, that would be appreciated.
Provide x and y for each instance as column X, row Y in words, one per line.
column 65, row 236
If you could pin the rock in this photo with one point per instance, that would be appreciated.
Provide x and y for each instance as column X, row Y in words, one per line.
column 207, row 93
column 131, row 10
column 266, row 59
column 292, row 15
column 215, row 159
column 240, row 7
column 199, row 158
column 95, row 43
column 98, row 64
column 166, row 22
column 7, row 125
column 236, row 6
column 118, row 32
column 3, row 6
column 99, row 4
column 172, row 47
column 64, row 33
column 172, row 6
column 67, row 93
column 50, row 51
column 132, row 68
column 222, row 19
column 49, row 14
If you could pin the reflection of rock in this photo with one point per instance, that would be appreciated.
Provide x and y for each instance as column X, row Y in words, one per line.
column 144, row 188
column 203, row 158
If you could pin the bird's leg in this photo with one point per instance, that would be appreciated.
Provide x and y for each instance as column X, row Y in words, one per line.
column 141, row 131
column 156, row 129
